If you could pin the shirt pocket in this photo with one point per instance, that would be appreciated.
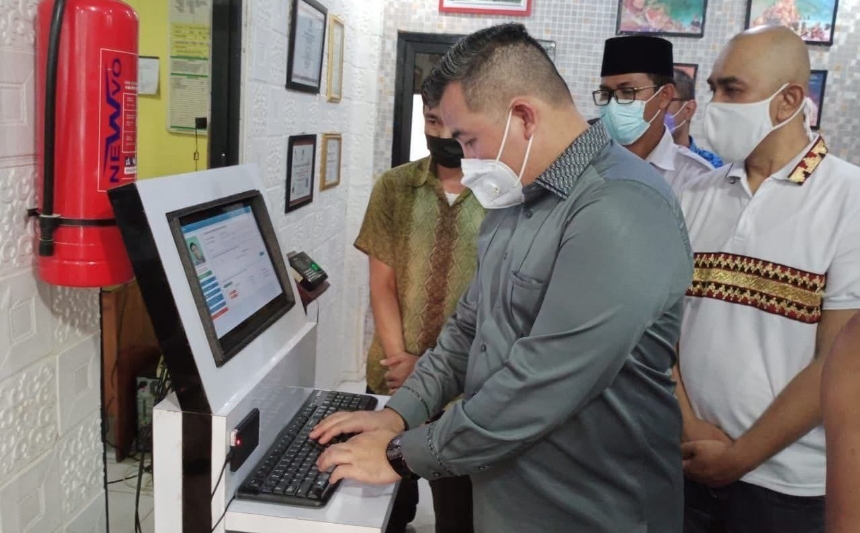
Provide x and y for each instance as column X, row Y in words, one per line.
column 526, row 297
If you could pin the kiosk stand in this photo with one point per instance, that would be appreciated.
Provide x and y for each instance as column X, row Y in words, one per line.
column 224, row 308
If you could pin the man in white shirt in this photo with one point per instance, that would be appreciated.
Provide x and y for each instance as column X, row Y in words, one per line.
column 776, row 237
column 636, row 88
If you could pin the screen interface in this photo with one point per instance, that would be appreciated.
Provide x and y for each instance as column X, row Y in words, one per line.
column 233, row 266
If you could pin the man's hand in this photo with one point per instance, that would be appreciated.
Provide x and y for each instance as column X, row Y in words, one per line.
column 362, row 459
column 357, row 422
column 698, row 429
column 400, row 367
column 712, row 463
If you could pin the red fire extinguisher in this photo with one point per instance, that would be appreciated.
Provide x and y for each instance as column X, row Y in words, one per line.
column 86, row 116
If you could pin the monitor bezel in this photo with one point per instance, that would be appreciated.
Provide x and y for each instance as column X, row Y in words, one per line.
column 223, row 350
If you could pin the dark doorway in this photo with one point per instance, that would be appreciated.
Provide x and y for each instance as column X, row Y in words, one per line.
column 417, row 53
column 226, row 79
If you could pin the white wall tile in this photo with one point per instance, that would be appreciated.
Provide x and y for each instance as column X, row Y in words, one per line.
column 17, row 230
column 76, row 312
column 26, row 324
column 81, row 466
column 78, row 382
column 28, row 504
column 91, row 519
column 17, row 94
column 28, row 417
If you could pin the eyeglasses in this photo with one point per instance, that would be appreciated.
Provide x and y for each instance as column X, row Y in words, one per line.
column 623, row 95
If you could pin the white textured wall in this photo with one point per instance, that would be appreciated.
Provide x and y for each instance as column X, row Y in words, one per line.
column 326, row 228
column 50, row 428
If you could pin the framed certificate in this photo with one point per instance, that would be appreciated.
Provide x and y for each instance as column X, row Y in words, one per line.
column 301, row 163
column 307, row 37
column 331, row 154
column 336, row 35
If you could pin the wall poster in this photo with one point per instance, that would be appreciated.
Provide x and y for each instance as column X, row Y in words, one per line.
column 188, row 85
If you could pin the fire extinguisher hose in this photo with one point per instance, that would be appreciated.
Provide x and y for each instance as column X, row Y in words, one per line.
column 48, row 220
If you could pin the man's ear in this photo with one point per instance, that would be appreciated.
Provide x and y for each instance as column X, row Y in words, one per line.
column 525, row 110
column 792, row 98
column 666, row 96
column 691, row 109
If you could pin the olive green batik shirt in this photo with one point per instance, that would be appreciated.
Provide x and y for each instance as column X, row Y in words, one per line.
column 430, row 244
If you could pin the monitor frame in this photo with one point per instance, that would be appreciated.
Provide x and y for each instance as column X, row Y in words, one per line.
column 233, row 341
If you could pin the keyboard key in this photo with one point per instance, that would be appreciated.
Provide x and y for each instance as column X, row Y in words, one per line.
column 303, row 490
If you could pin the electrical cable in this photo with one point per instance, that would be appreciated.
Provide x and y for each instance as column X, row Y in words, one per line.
column 218, row 484
column 221, row 476
column 145, row 435
column 222, row 515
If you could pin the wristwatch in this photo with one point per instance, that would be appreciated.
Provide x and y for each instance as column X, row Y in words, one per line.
column 394, row 453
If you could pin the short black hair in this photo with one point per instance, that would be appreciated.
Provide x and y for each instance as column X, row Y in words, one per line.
column 494, row 65
column 660, row 80
column 685, row 85
column 194, row 244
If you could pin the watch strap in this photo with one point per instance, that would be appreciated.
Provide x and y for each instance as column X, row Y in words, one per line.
column 394, row 454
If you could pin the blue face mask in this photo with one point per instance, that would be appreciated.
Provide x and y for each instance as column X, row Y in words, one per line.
column 626, row 122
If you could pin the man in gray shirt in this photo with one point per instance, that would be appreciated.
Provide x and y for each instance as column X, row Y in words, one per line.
column 563, row 344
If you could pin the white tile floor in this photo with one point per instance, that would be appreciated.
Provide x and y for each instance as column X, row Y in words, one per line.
column 121, row 495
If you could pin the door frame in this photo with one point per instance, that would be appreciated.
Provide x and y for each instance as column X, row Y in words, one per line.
column 409, row 44
column 226, row 80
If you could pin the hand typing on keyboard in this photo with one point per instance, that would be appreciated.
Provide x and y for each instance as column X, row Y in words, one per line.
column 288, row 472
column 344, row 423
column 362, row 459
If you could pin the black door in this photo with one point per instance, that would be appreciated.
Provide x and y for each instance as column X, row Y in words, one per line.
column 417, row 53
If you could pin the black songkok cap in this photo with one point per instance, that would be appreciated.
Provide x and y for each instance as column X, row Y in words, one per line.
column 637, row 54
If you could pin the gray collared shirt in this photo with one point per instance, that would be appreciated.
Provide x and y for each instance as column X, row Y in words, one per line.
column 562, row 347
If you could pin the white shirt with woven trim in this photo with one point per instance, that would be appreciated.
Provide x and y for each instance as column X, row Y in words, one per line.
column 737, row 357
column 676, row 163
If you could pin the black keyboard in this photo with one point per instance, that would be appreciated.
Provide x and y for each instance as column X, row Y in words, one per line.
column 288, row 472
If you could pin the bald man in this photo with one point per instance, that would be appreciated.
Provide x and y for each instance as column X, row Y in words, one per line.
column 841, row 405
column 767, row 231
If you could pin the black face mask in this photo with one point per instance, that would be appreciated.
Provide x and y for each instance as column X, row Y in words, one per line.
column 445, row 152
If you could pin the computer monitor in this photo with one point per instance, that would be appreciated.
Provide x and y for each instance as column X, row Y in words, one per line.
column 233, row 264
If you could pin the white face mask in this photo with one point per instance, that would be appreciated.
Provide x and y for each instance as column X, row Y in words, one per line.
column 492, row 182
column 735, row 130
column 675, row 115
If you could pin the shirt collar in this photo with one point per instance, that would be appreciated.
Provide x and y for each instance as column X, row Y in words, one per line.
column 693, row 144
column 663, row 155
column 798, row 170
column 418, row 179
column 560, row 177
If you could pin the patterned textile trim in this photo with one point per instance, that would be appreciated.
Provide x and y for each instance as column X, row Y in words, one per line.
column 433, row 450
column 767, row 286
column 420, row 399
column 809, row 163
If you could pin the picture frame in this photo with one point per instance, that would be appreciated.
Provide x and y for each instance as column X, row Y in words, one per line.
column 813, row 24
column 691, row 69
column 330, row 162
column 671, row 18
column 336, row 40
column 511, row 8
column 307, row 42
column 301, row 165
column 817, row 86
column 549, row 48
